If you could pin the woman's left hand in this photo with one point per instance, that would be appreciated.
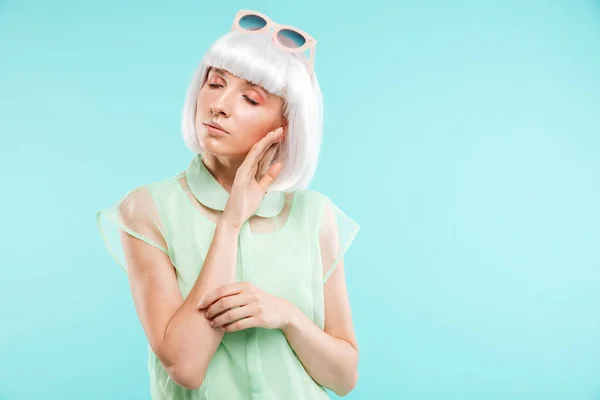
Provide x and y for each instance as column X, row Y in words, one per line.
column 242, row 305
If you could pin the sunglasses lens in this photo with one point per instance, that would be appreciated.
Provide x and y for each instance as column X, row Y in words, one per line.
column 252, row 22
column 290, row 38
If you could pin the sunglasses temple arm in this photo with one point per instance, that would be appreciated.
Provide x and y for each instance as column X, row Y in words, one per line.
column 312, row 61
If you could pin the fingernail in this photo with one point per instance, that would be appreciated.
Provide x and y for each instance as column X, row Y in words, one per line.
column 212, row 323
column 200, row 304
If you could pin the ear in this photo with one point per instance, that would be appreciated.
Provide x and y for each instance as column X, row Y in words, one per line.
column 285, row 126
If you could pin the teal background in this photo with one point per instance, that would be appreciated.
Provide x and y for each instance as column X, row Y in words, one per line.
column 463, row 136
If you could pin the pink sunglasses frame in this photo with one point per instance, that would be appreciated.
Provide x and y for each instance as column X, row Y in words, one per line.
column 275, row 27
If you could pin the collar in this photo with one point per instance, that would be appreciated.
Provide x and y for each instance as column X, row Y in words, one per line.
column 210, row 193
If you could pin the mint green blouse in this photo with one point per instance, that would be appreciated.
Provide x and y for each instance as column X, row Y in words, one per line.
column 289, row 248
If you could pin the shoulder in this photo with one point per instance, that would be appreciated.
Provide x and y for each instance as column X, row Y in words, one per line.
column 148, row 195
column 324, row 210
column 311, row 200
column 156, row 189
column 316, row 199
column 164, row 186
column 313, row 205
column 311, row 196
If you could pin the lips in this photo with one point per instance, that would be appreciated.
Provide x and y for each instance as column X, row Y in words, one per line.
column 215, row 125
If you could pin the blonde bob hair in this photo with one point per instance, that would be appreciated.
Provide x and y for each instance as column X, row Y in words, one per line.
column 253, row 57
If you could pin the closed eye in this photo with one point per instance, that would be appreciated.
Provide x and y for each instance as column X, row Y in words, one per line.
column 216, row 85
column 250, row 100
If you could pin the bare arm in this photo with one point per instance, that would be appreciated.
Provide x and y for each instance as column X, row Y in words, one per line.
column 178, row 334
column 330, row 356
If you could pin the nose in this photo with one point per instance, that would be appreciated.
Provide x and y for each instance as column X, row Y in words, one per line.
column 219, row 106
column 217, row 109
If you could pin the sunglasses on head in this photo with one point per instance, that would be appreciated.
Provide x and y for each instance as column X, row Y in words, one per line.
column 288, row 38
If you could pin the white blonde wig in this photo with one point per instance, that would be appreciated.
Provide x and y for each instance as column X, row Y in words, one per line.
column 255, row 58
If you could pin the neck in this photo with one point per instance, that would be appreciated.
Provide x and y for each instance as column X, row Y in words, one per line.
column 223, row 168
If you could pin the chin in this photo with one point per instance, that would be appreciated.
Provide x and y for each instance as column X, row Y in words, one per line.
column 216, row 146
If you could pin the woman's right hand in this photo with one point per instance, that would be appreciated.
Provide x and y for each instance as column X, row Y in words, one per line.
column 246, row 192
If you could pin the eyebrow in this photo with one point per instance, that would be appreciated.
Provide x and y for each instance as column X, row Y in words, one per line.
column 222, row 73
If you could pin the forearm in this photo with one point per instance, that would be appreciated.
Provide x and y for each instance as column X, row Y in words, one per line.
column 330, row 361
column 189, row 338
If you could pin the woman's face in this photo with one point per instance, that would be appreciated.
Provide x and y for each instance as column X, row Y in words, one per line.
column 245, row 111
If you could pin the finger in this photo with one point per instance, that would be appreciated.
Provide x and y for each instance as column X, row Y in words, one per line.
column 225, row 290
column 228, row 302
column 234, row 315
column 267, row 160
column 261, row 147
column 245, row 323
column 255, row 154
column 270, row 176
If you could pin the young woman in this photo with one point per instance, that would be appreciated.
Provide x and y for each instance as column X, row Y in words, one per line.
column 235, row 267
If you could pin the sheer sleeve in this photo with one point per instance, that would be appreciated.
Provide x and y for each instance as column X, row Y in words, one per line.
column 336, row 233
column 135, row 214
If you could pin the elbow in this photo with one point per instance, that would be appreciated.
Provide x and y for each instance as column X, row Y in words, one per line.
column 186, row 374
column 348, row 385
column 188, row 378
column 190, row 384
column 186, row 371
column 350, row 377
